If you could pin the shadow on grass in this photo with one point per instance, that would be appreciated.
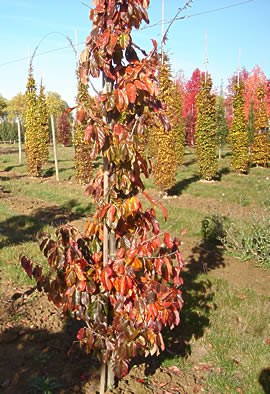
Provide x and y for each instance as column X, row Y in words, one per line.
column 198, row 299
column 221, row 172
column 264, row 380
column 38, row 361
column 49, row 172
column 10, row 168
column 178, row 188
column 22, row 228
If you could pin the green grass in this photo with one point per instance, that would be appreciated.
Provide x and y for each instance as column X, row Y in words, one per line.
column 234, row 344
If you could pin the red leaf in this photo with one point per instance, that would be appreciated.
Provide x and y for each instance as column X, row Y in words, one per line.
column 111, row 213
column 81, row 334
column 168, row 240
column 131, row 92
column 27, row 266
column 154, row 44
column 119, row 99
column 81, row 115
column 88, row 133
column 104, row 210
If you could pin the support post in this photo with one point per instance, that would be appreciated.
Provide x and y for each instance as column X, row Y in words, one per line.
column 54, row 149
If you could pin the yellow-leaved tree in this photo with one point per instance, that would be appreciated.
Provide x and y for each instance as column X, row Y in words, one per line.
column 238, row 136
column 260, row 148
column 205, row 130
column 33, row 140
column 83, row 149
column 167, row 148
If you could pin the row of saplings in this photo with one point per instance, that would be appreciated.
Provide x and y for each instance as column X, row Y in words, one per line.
column 165, row 149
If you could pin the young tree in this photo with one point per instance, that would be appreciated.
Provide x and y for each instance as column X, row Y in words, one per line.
column 192, row 88
column 123, row 278
column 33, row 143
column 238, row 136
column 63, row 129
column 260, row 149
column 43, row 131
column 255, row 80
column 3, row 106
column 205, row 130
column 168, row 147
column 83, row 149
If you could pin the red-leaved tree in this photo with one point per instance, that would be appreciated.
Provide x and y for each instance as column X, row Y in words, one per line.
column 122, row 277
column 192, row 88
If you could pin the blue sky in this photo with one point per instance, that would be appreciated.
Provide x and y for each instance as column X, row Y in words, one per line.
column 23, row 23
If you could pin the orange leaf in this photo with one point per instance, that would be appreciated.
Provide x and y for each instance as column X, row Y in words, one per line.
column 131, row 92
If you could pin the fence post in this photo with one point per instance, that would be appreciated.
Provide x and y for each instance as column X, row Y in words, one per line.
column 54, row 149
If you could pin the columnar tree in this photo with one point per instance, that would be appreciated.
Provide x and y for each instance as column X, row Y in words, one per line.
column 33, row 138
column 205, row 130
column 123, row 278
column 83, row 158
column 192, row 88
column 168, row 147
column 43, row 131
column 260, row 149
column 238, row 136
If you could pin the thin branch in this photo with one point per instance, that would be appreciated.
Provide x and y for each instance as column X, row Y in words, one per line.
column 187, row 5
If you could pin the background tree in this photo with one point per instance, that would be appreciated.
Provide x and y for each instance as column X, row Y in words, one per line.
column 255, row 80
column 63, row 129
column 3, row 106
column 242, row 75
column 55, row 104
column 34, row 142
column 16, row 107
column 238, row 136
column 221, row 122
column 205, row 130
column 260, row 149
column 43, row 132
column 192, row 88
column 83, row 149
column 168, row 147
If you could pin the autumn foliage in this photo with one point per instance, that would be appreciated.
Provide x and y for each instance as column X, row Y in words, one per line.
column 260, row 149
column 238, row 136
column 168, row 147
column 122, row 277
column 36, row 128
column 205, row 131
column 83, row 158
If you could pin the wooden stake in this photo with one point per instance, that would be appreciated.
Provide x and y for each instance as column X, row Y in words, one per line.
column 54, row 149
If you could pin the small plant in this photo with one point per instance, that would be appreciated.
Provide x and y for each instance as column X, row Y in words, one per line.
column 252, row 242
column 212, row 229
column 44, row 385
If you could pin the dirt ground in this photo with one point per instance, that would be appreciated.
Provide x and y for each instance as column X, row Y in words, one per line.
column 38, row 345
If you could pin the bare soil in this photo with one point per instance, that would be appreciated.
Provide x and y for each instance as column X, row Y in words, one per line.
column 36, row 342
